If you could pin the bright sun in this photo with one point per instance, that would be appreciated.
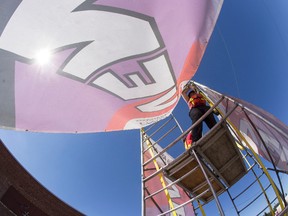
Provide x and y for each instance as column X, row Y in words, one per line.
column 43, row 57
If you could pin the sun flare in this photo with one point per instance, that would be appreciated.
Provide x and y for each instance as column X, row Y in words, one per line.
column 43, row 57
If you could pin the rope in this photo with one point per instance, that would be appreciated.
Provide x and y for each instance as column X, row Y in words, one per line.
column 230, row 60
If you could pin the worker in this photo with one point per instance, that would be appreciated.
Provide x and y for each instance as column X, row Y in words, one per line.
column 198, row 107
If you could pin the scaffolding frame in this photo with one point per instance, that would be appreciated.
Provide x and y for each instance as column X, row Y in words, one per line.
column 207, row 168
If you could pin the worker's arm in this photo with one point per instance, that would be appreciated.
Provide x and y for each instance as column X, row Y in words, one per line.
column 184, row 92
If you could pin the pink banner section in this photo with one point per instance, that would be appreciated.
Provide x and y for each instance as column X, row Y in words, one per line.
column 93, row 66
column 266, row 134
column 159, row 203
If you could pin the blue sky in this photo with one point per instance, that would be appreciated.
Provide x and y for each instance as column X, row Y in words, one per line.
column 99, row 174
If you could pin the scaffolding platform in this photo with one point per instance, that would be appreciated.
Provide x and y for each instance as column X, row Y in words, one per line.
column 219, row 157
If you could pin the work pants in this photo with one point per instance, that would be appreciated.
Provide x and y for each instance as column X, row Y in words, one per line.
column 195, row 114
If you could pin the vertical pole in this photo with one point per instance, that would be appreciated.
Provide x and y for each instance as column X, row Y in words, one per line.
column 149, row 145
column 142, row 173
column 209, row 183
column 201, row 208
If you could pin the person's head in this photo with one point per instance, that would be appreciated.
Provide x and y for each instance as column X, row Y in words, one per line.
column 192, row 92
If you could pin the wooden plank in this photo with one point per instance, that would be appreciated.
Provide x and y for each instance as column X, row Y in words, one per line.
column 222, row 155
column 195, row 182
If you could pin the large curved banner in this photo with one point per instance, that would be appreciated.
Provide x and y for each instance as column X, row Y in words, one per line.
column 87, row 66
